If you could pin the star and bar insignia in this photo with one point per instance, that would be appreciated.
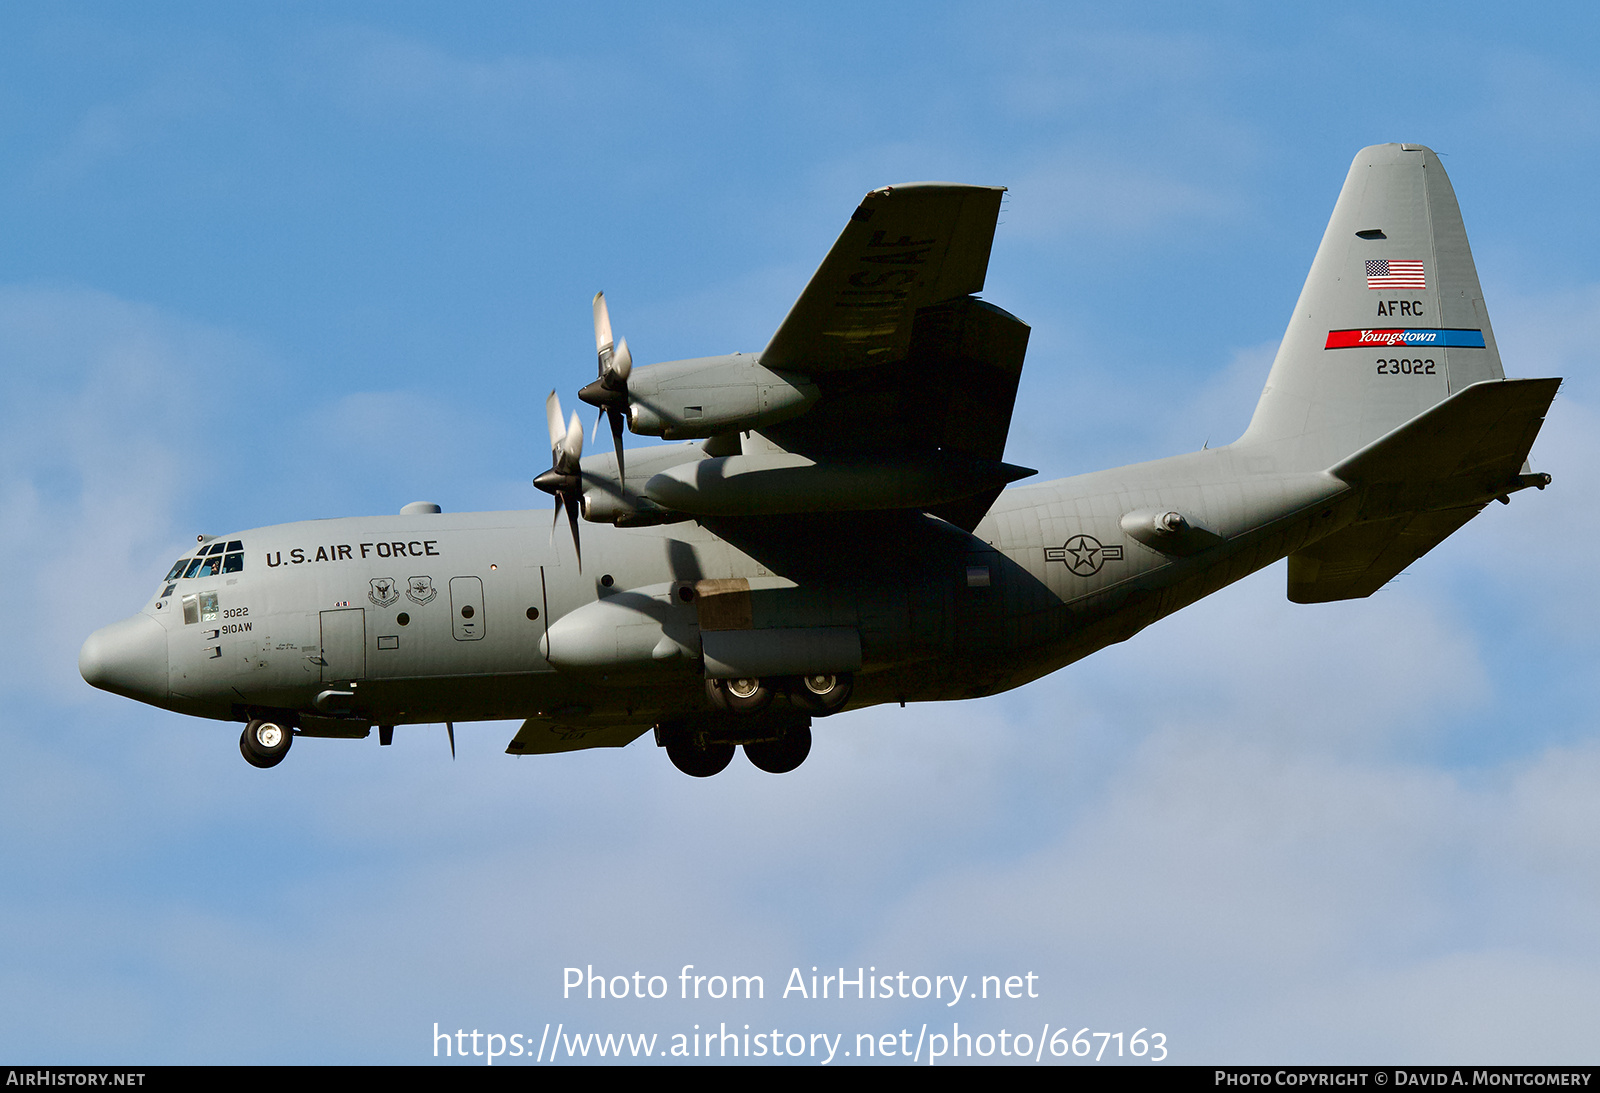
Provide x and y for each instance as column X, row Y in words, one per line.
column 1083, row 554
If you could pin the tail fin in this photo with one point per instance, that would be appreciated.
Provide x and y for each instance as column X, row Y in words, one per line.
column 1391, row 320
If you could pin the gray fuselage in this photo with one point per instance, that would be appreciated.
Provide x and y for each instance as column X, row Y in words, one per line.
column 458, row 617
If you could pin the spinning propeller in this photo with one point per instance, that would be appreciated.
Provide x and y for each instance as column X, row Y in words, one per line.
column 564, row 479
column 610, row 391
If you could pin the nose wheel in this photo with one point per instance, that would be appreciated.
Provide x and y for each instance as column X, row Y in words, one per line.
column 264, row 743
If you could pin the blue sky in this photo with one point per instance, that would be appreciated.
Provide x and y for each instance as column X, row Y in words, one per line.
column 271, row 262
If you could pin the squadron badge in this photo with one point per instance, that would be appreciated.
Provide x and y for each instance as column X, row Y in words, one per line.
column 420, row 590
column 384, row 591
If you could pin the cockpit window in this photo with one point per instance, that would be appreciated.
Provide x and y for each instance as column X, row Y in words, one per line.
column 212, row 560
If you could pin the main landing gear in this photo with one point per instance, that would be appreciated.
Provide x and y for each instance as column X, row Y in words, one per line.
column 703, row 746
column 818, row 695
column 782, row 755
column 264, row 743
column 776, row 737
column 698, row 759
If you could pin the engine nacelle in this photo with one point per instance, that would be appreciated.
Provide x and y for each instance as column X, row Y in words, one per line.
column 710, row 395
column 604, row 502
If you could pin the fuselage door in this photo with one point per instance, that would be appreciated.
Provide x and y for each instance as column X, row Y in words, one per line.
column 344, row 644
column 466, row 608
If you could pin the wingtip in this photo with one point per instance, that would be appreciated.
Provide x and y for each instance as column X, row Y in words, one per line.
column 931, row 188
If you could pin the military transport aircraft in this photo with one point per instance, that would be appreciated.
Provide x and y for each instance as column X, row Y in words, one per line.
column 833, row 531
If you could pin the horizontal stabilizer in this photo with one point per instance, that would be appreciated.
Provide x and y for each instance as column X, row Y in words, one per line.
column 1467, row 449
column 1421, row 483
column 1356, row 562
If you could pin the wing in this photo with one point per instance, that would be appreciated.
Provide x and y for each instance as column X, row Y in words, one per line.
column 906, row 359
column 905, row 247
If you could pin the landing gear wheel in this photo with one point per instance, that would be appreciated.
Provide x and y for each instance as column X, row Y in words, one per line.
column 821, row 695
column 782, row 755
column 265, row 743
column 699, row 762
column 739, row 696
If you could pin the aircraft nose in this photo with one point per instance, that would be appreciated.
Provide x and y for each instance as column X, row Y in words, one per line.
column 128, row 658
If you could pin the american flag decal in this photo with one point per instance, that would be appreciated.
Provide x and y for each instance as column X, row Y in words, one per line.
column 1395, row 273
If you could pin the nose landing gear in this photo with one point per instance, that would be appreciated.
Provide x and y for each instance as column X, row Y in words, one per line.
column 264, row 743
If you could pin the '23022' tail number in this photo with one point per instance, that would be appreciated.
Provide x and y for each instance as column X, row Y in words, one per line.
column 1405, row 367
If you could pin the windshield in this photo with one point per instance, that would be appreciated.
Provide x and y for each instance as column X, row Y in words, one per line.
column 212, row 560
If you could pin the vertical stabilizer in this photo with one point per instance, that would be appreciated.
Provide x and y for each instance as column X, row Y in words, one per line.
column 1391, row 320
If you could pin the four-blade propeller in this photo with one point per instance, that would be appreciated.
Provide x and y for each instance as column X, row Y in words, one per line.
column 610, row 391
column 564, row 479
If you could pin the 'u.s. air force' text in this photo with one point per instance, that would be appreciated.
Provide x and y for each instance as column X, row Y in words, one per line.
column 346, row 552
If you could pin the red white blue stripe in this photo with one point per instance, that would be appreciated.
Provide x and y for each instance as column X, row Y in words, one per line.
column 1431, row 338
